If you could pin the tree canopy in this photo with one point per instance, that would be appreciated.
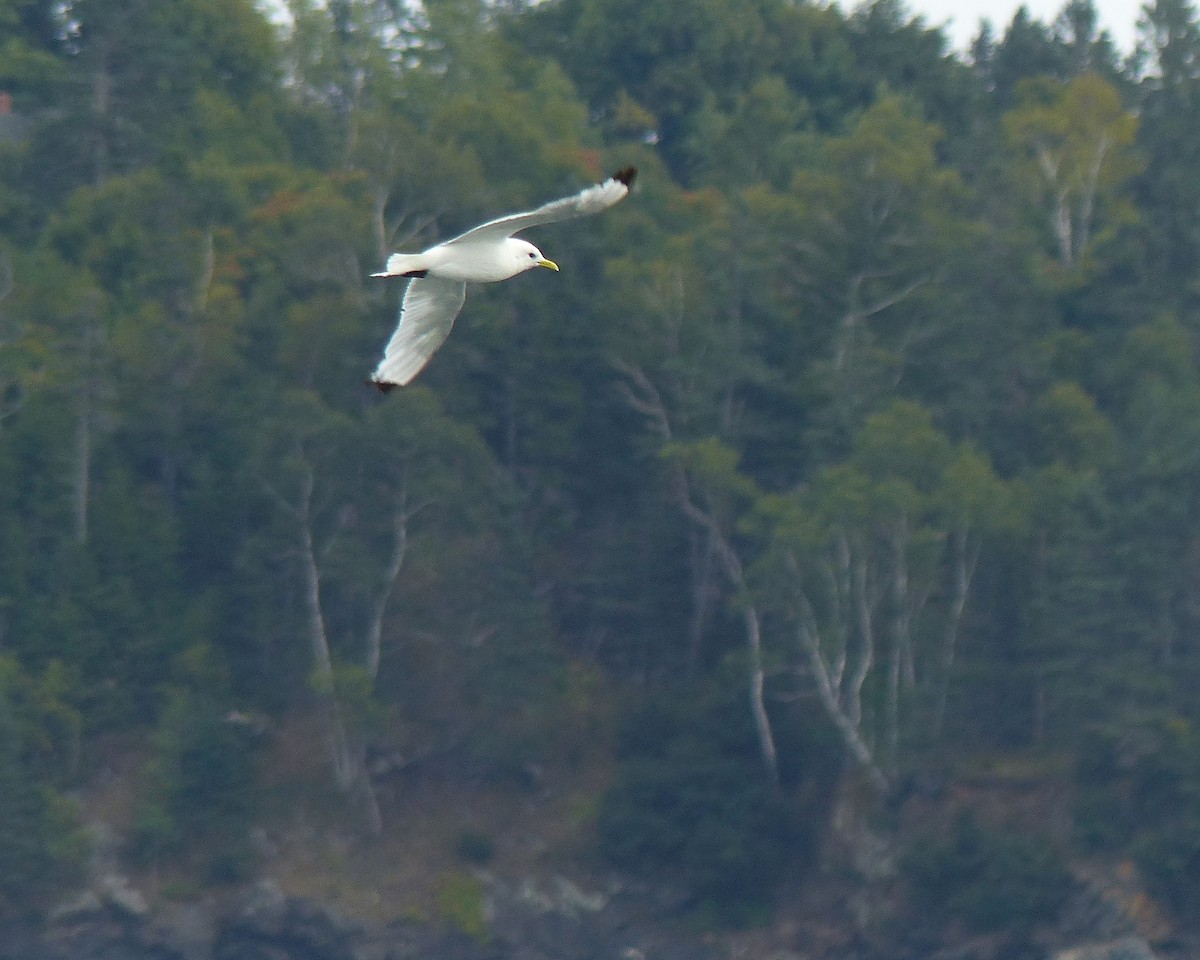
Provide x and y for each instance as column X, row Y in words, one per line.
column 875, row 405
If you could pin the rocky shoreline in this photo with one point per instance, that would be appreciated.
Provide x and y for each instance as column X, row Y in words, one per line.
column 113, row 921
column 557, row 921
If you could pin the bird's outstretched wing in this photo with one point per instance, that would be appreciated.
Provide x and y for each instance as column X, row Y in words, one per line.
column 599, row 197
column 426, row 315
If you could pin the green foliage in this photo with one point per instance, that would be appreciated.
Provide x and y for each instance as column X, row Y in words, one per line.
column 892, row 353
column 988, row 878
column 690, row 802
column 42, row 846
column 197, row 790
column 460, row 903
column 1138, row 789
column 1078, row 141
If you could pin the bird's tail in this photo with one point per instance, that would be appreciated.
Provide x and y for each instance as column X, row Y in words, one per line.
column 404, row 265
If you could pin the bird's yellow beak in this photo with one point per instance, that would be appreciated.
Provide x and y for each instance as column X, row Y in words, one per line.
column 550, row 264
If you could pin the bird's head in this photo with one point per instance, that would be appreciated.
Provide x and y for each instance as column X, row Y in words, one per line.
column 529, row 256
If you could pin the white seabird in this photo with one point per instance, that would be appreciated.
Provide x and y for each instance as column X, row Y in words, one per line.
column 484, row 254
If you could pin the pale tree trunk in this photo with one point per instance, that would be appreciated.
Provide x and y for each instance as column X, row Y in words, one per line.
column 852, row 332
column 900, row 655
column 1087, row 199
column 102, row 83
column 852, row 321
column 702, row 555
column 905, row 604
column 732, row 566
column 1060, row 215
column 892, row 711
column 1072, row 230
column 1063, row 231
column 189, row 347
column 349, row 767
column 387, row 583
column 908, row 600
column 866, row 602
column 89, row 389
column 838, row 689
column 758, row 708
column 965, row 556
column 396, row 231
column 641, row 393
column 379, row 201
column 347, row 756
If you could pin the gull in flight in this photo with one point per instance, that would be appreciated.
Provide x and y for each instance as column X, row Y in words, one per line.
column 483, row 254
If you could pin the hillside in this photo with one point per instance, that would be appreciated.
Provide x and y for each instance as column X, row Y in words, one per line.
column 815, row 554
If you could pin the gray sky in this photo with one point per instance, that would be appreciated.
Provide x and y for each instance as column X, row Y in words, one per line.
column 1118, row 17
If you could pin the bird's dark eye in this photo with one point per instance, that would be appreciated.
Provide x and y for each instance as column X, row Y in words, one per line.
column 532, row 255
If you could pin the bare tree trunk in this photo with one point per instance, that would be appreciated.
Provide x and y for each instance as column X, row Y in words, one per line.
column 762, row 722
column 757, row 673
column 702, row 562
column 906, row 606
column 1063, row 229
column 841, row 706
column 379, row 199
column 965, row 557
column 347, row 756
column 839, row 690
column 1087, row 199
column 733, row 570
column 643, row 395
column 864, row 604
column 84, row 427
column 891, row 750
column 340, row 754
column 387, row 584
column 1060, row 216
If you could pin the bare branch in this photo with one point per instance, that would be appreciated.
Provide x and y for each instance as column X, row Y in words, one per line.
column 886, row 302
column 848, row 724
column 391, row 575
column 646, row 399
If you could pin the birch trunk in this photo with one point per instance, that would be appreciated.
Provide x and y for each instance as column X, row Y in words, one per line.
column 840, row 705
column 840, row 689
column 347, row 756
column 965, row 558
column 387, row 586
column 84, row 439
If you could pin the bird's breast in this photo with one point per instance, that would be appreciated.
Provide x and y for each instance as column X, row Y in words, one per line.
column 474, row 262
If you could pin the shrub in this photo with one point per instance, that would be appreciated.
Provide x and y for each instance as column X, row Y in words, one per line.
column 691, row 800
column 460, row 901
column 1138, row 792
column 42, row 845
column 197, row 789
column 988, row 878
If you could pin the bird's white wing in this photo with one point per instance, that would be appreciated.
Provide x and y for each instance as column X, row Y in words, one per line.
column 592, row 200
column 426, row 316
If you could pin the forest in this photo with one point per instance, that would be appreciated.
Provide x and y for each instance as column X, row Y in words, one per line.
column 856, row 452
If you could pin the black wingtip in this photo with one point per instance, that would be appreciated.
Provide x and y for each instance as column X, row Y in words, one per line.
column 382, row 385
column 625, row 176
